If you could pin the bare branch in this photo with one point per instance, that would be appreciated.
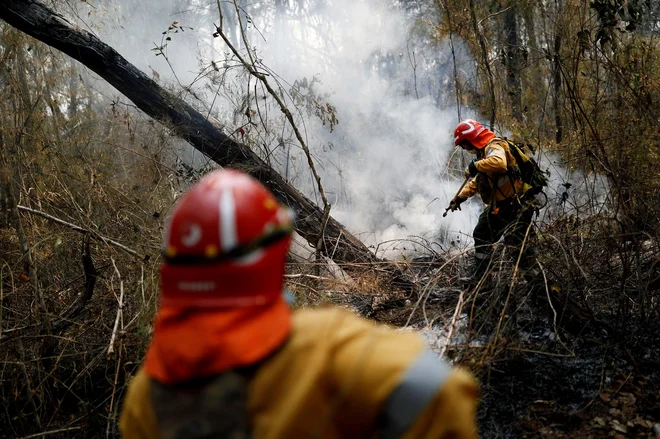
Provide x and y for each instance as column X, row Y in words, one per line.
column 51, row 432
column 78, row 229
column 252, row 69
column 120, row 308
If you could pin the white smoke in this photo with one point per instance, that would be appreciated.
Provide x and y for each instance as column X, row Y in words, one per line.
column 573, row 193
column 390, row 150
column 385, row 165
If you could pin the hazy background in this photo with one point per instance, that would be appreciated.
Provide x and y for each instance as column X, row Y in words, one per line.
column 385, row 165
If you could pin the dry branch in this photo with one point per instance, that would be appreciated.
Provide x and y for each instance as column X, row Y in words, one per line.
column 91, row 275
column 207, row 136
column 120, row 308
column 28, row 386
column 22, row 238
column 78, row 229
column 252, row 69
column 454, row 322
column 51, row 432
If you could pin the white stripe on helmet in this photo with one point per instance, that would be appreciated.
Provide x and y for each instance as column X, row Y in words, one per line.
column 228, row 236
column 469, row 130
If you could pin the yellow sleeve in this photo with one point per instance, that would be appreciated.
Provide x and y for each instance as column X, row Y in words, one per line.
column 367, row 364
column 470, row 189
column 452, row 413
column 137, row 419
column 389, row 378
column 494, row 161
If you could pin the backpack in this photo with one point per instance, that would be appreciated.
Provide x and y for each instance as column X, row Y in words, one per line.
column 528, row 170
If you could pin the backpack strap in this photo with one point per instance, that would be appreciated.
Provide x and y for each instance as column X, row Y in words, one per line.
column 509, row 172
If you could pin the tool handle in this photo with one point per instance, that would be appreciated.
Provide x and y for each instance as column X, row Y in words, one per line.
column 457, row 193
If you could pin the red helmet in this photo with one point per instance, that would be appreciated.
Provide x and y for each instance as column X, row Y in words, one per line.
column 472, row 132
column 225, row 244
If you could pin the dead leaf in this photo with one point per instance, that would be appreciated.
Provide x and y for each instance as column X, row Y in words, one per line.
column 628, row 399
column 616, row 425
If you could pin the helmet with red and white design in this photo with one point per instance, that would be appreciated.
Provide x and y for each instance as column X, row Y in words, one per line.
column 472, row 132
column 225, row 244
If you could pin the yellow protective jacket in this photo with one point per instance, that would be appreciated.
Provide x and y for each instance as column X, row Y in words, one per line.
column 340, row 376
column 494, row 164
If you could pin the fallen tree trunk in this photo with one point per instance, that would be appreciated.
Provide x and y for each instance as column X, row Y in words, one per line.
column 207, row 136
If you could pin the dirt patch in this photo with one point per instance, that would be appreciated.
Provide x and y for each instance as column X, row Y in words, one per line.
column 600, row 390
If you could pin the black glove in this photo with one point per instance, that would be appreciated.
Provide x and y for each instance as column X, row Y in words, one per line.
column 471, row 170
column 456, row 203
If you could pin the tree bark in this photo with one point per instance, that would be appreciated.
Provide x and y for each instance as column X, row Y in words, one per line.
column 532, row 62
column 513, row 61
column 207, row 136
column 484, row 56
column 556, row 106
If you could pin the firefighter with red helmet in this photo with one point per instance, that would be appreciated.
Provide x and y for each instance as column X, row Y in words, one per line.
column 491, row 176
column 229, row 358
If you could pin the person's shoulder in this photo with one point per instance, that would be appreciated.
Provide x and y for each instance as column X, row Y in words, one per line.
column 139, row 386
column 497, row 142
column 339, row 324
column 136, row 413
column 323, row 316
column 325, row 324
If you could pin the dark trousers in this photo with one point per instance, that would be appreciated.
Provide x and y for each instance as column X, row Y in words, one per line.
column 512, row 221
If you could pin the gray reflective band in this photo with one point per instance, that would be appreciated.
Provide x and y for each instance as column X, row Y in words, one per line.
column 419, row 385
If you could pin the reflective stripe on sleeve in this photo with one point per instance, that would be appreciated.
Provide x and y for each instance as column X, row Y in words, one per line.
column 420, row 383
column 498, row 152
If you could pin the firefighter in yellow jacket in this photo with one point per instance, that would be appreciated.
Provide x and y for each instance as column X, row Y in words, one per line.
column 493, row 177
column 230, row 359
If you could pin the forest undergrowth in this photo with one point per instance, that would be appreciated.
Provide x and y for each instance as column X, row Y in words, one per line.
column 572, row 356
column 87, row 182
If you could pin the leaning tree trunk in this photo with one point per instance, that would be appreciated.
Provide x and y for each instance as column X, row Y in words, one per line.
column 42, row 23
